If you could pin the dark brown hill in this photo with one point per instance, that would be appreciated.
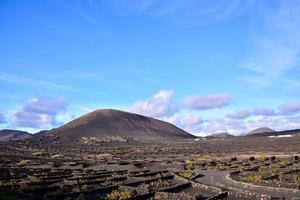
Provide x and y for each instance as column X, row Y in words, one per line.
column 223, row 135
column 8, row 135
column 108, row 123
column 261, row 130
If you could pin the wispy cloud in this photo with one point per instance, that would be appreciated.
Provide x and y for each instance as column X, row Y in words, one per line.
column 239, row 114
column 79, row 8
column 33, row 82
column 177, row 10
column 263, row 112
column 290, row 108
column 243, row 114
column 2, row 118
column 275, row 48
column 203, row 102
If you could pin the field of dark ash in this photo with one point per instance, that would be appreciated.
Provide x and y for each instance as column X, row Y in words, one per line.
column 237, row 168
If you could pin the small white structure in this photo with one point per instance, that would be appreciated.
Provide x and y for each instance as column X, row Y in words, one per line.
column 280, row 136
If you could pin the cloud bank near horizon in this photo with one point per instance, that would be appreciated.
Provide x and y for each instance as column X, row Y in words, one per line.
column 47, row 112
column 237, row 122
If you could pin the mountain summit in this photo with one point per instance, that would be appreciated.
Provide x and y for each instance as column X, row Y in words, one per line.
column 108, row 123
column 261, row 130
column 223, row 135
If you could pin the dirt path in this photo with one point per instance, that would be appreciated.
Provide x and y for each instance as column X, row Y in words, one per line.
column 221, row 179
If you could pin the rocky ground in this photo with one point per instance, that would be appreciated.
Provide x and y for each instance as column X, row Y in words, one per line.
column 237, row 168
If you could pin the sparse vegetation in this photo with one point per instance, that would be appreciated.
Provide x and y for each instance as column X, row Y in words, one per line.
column 205, row 158
column 155, row 184
column 262, row 158
column 186, row 174
column 221, row 168
column 189, row 165
column 282, row 163
column 251, row 178
column 23, row 162
column 120, row 195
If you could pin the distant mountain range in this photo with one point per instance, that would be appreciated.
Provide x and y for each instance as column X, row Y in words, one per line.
column 223, row 135
column 8, row 135
column 116, row 125
column 259, row 132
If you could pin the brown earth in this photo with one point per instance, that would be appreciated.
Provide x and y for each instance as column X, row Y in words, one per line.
column 7, row 135
column 109, row 123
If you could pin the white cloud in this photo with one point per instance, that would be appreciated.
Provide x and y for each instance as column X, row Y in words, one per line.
column 191, row 119
column 263, row 112
column 242, row 114
column 159, row 105
column 277, row 123
column 39, row 112
column 32, row 120
column 290, row 108
column 189, row 122
column 241, row 126
column 232, row 126
column 207, row 101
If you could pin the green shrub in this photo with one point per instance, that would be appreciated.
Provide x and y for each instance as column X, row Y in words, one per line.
column 155, row 184
column 262, row 158
column 23, row 162
column 251, row 178
column 186, row 174
column 205, row 158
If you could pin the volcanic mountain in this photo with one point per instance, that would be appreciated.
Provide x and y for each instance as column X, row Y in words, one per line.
column 223, row 135
column 7, row 135
column 107, row 123
column 266, row 132
column 261, row 130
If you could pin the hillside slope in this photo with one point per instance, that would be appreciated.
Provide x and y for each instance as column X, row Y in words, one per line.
column 223, row 135
column 261, row 130
column 8, row 135
column 108, row 123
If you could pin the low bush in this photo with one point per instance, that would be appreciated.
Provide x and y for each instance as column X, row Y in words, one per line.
column 251, row 178
column 120, row 195
column 23, row 162
column 262, row 158
column 186, row 174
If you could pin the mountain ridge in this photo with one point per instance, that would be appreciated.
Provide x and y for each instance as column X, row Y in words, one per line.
column 106, row 123
column 222, row 135
column 10, row 134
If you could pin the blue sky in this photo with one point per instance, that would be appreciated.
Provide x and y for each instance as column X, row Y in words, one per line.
column 206, row 66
